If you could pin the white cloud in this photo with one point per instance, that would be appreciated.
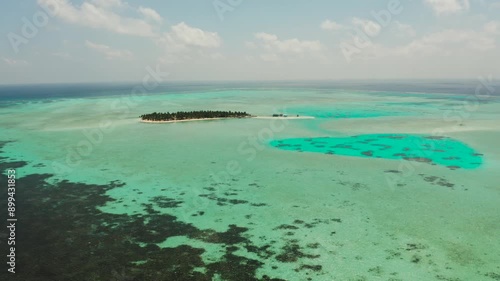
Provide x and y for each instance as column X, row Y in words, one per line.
column 446, row 7
column 184, row 43
column 266, row 36
column 271, row 42
column 457, row 43
column 495, row 5
column 369, row 27
column 405, row 29
column 492, row 27
column 151, row 14
column 13, row 62
column 288, row 50
column 109, row 52
column 108, row 3
column 184, row 36
column 99, row 15
column 460, row 38
column 331, row 25
column 448, row 42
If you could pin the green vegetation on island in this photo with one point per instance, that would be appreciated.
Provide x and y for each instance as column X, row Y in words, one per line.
column 189, row 115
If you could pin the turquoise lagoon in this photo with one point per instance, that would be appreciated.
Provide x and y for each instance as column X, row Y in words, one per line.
column 430, row 149
column 234, row 200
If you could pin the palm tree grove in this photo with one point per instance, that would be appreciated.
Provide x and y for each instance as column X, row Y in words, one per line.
column 187, row 115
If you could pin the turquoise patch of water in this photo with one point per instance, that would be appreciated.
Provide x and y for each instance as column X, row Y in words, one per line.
column 429, row 149
column 343, row 113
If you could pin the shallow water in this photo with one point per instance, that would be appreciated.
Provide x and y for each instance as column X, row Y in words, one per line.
column 429, row 149
column 125, row 197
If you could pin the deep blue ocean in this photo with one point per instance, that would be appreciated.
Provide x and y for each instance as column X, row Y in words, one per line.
column 52, row 91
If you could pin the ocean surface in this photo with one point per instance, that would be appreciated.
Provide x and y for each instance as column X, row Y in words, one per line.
column 390, row 181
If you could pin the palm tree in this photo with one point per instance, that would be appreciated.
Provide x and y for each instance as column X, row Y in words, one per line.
column 183, row 115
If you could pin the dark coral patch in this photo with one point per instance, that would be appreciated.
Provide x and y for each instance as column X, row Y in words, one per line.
column 166, row 202
column 393, row 172
column 437, row 181
column 286, row 226
column 367, row 153
column 418, row 159
column 310, row 267
column 66, row 237
column 292, row 252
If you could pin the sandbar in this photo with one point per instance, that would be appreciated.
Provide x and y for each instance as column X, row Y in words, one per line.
column 209, row 119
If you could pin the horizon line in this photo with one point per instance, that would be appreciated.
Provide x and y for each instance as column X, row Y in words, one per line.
column 244, row 81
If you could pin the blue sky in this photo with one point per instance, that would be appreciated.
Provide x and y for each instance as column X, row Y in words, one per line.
column 51, row 41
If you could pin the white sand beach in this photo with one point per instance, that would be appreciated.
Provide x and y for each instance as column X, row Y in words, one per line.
column 282, row 117
column 177, row 121
column 210, row 119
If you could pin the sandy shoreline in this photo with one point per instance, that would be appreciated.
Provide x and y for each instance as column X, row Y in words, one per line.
column 177, row 121
column 282, row 118
column 209, row 119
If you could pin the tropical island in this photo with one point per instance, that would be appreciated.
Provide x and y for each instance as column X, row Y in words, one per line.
column 206, row 115
column 192, row 116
